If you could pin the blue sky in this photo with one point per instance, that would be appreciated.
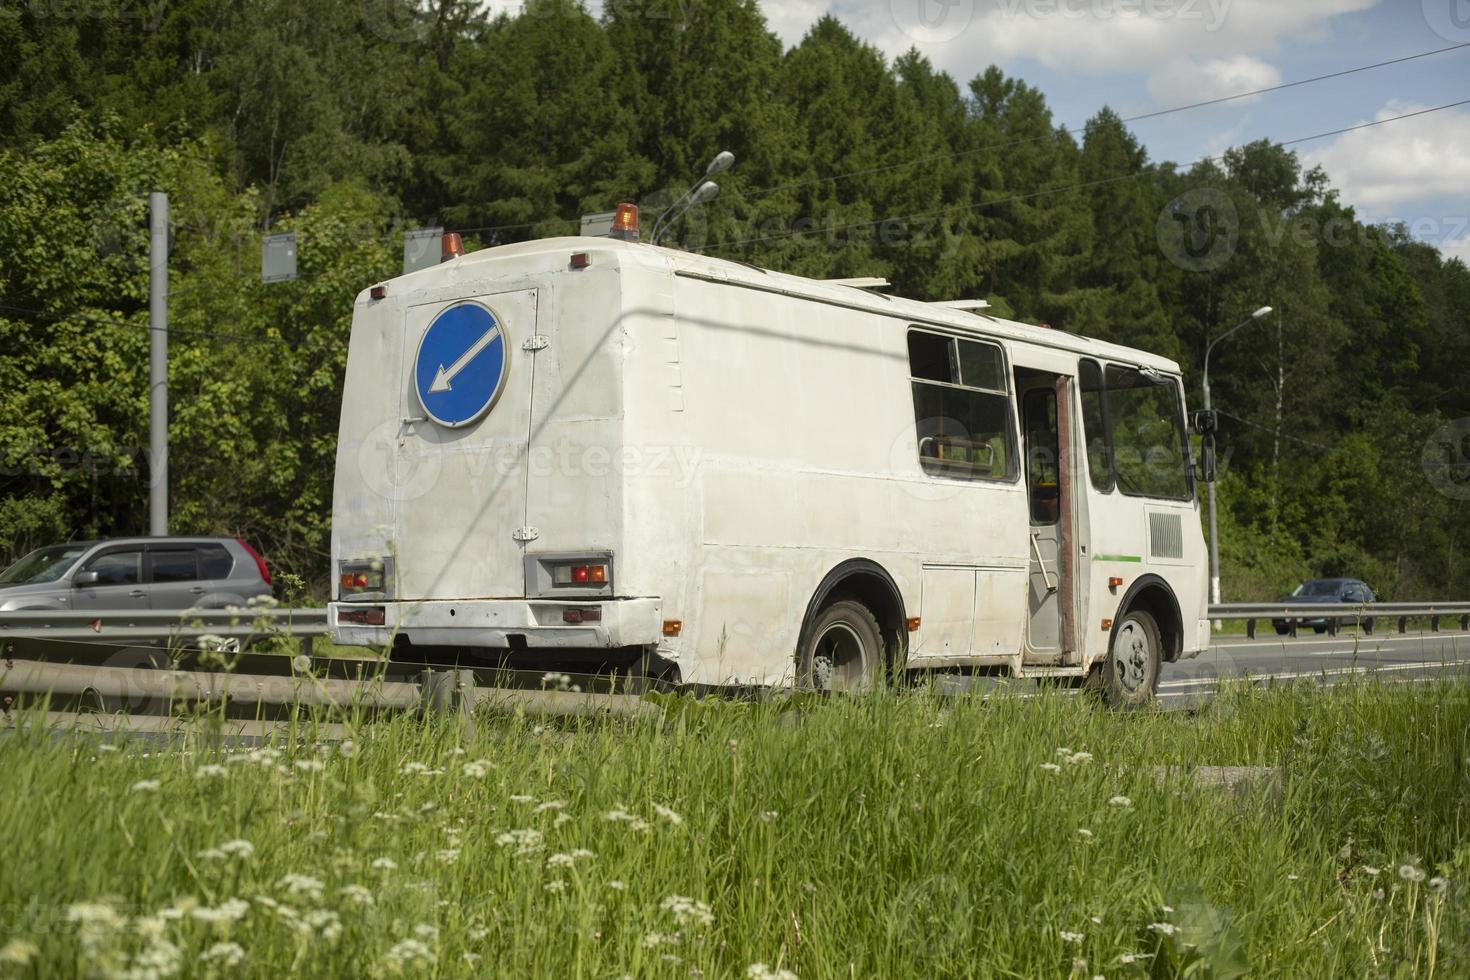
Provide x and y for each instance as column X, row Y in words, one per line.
column 1142, row 55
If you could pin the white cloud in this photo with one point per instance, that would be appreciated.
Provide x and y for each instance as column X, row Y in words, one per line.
column 1089, row 37
column 1388, row 170
column 1187, row 80
column 791, row 19
column 1456, row 248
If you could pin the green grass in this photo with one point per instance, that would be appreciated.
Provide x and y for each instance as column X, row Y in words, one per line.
column 908, row 836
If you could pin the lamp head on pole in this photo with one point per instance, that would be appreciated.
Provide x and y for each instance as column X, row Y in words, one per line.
column 1263, row 311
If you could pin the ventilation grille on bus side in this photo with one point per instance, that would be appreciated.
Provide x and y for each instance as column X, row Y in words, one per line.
column 1165, row 536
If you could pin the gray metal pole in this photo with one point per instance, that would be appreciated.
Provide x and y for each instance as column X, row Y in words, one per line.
column 158, row 366
column 1214, row 526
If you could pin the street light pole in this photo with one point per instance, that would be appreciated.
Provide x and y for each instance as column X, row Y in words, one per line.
column 158, row 365
column 1214, row 525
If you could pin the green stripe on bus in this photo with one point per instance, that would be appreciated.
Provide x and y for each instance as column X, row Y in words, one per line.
column 1129, row 558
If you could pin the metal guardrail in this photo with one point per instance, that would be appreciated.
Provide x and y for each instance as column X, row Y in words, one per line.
column 106, row 687
column 1338, row 614
column 165, row 625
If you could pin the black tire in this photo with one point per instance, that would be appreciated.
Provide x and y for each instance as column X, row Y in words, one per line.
column 1368, row 625
column 1319, row 630
column 1283, row 629
column 1128, row 677
column 842, row 651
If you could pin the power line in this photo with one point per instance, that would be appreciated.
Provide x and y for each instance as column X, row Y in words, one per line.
column 1085, row 185
column 1051, row 134
column 1282, row 435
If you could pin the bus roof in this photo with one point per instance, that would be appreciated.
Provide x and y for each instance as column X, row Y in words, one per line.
column 740, row 274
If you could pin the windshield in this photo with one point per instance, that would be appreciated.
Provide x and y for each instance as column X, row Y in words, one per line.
column 42, row 565
column 1318, row 588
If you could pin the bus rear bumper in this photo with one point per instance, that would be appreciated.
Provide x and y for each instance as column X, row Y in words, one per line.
column 505, row 624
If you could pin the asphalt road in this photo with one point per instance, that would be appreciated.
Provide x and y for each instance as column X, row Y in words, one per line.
column 1411, row 657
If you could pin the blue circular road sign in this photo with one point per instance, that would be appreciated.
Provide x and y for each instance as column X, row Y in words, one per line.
column 462, row 364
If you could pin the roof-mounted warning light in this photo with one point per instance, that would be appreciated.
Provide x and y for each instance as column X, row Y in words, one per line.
column 451, row 247
column 625, row 223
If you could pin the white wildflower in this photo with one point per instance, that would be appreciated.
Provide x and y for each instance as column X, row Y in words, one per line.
column 1410, row 873
column 310, row 765
column 419, row 769
column 356, row 894
column 1438, row 885
column 478, row 769
column 241, row 849
column 1128, row 959
column 426, row 932
column 521, row 798
column 301, row 663
column 1370, row 871
column 524, row 841
column 326, row 923
column 448, row 855
column 301, row 886
column 408, row 953
column 1293, row 877
column 759, row 971
column 160, row 958
column 550, row 805
column 617, row 886
column 1072, row 937
column 654, row 940
column 146, row 786
column 553, row 679
column 556, row 887
column 384, row 864
column 560, row 861
column 1050, row 767
column 1084, row 833
column 212, row 854
column 769, row 816
column 1120, row 801
column 348, row 749
column 224, row 954
column 687, row 911
column 1163, row 928
column 18, row 952
column 95, row 915
column 668, row 814
column 230, row 910
column 1079, row 758
column 210, row 771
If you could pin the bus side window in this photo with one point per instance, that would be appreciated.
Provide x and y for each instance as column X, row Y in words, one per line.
column 1095, row 428
column 962, row 407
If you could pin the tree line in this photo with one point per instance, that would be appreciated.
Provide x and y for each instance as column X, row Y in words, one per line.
column 350, row 122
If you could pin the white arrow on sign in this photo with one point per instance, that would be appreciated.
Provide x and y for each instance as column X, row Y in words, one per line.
column 445, row 375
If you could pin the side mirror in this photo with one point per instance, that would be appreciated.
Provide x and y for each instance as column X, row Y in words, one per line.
column 1208, row 464
column 1205, row 423
column 85, row 579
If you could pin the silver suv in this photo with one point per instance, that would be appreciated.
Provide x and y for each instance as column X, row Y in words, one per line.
column 136, row 573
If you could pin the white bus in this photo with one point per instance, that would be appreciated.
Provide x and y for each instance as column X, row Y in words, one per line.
column 584, row 453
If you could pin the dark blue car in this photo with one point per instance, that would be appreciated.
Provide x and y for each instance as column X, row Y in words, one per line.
column 1322, row 591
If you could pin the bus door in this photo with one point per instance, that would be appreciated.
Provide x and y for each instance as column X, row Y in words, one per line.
column 1048, row 434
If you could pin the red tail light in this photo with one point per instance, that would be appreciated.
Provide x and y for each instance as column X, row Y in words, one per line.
column 265, row 573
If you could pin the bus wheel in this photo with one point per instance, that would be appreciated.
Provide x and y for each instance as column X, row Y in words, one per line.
column 1129, row 677
column 844, row 649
